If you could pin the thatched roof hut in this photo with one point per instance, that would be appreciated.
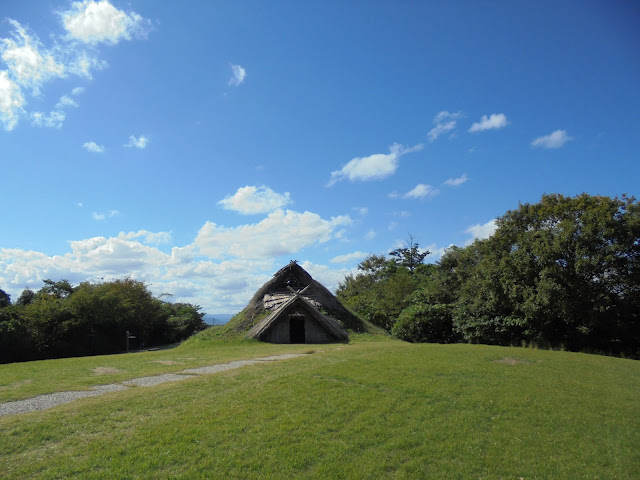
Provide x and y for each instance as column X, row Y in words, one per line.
column 299, row 309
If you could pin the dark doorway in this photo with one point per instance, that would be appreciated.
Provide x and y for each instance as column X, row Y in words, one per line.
column 296, row 329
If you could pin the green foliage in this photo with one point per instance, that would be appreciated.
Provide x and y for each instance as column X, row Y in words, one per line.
column 562, row 272
column 61, row 320
column 380, row 291
column 409, row 255
column 26, row 297
column 5, row 299
column 425, row 322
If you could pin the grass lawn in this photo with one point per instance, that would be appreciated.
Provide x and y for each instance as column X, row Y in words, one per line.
column 28, row 379
column 374, row 408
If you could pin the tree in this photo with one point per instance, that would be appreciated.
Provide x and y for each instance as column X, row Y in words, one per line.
column 26, row 297
column 59, row 289
column 5, row 299
column 562, row 272
column 409, row 255
column 61, row 320
column 381, row 289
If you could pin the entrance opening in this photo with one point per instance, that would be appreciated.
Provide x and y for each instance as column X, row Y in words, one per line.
column 296, row 329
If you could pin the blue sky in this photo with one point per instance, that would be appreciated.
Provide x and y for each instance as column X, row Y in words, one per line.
column 200, row 146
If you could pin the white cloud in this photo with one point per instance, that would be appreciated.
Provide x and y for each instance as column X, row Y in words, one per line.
column 370, row 235
column 221, row 286
column 421, row 191
column 55, row 119
column 349, row 257
column 280, row 233
column 29, row 67
column 492, row 122
column 65, row 102
column 373, row 167
column 250, row 200
column 83, row 63
column 153, row 238
column 93, row 147
column 555, row 139
column 77, row 91
column 361, row 210
column 140, row 142
column 481, row 231
column 444, row 122
column 100, row 22
column 456, row 182
column 238, row 75
column 11, row 101
column 325, row 275
column 104, row 216
column 435, row 252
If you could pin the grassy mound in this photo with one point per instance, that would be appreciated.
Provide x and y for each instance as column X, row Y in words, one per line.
column 374, row 408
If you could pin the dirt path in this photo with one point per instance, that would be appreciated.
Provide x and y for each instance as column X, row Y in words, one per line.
column 50, row 400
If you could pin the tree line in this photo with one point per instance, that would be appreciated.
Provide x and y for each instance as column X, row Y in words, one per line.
column 61, row 320
column 561, row 273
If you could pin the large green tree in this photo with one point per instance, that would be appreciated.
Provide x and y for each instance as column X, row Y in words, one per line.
column 561, row 272
column 383, row 286
column 5, row 299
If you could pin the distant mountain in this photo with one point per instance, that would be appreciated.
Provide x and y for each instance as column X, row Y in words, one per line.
column 217, row 318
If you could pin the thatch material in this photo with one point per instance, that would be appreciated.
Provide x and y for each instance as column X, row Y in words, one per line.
column 278, row 296
column 325, row 329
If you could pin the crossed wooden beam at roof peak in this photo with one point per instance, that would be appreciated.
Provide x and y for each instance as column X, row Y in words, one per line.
column 297, row 292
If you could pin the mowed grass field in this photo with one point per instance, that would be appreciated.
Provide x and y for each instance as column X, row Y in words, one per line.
column 373, row 408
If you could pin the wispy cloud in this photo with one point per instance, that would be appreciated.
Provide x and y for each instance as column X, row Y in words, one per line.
column 100, row 22
column 456, row 182
column 373, row 167
column 55, row 119
column 93, row 147
column 361, row 210
column 421, row 191
column 11, row 101
column 238, row 74
column 481, row 231
column 30, row 64
column 66, row 102
column 349, row 257
column 251, row 200
column 555, row 139
column 104, row 216
column 141, row 142
column 492, row 122
column 151, row 238
column 444, row 122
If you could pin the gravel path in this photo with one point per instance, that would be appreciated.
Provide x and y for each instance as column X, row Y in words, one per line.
column 44, row 402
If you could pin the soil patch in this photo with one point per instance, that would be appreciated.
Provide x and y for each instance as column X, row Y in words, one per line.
column 106, row 370
column 513, row 361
